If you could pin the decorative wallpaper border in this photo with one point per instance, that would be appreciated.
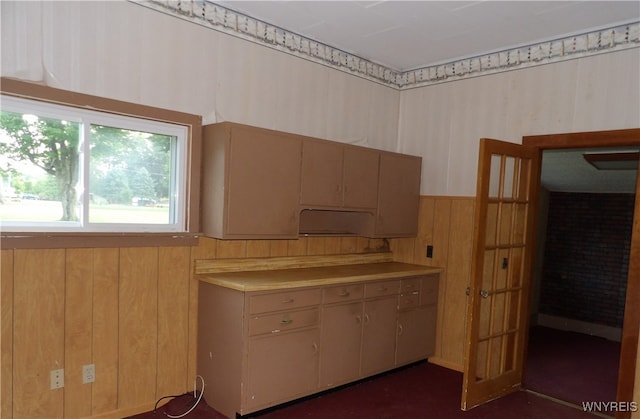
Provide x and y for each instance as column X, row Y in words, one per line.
column 222, row 19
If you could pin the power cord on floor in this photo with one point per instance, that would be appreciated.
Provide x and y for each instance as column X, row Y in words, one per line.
column 199, row 397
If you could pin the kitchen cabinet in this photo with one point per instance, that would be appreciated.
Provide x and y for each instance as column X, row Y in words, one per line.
column 338, row 176
column 417, row 311
column 259, row 348
column 250, row 182
column 398, row 195
column 265, row 184
column 341, row 340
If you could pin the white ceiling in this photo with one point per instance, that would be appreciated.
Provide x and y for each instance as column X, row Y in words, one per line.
column 568, row 171
column 405, row 35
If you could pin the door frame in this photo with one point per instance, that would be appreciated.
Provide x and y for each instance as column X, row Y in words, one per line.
column 631, row 325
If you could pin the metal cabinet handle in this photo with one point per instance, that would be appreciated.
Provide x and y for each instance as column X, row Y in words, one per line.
column 344, row 293
column 358, row 319
column 484, row 293
column 286, row 321
column 288, row 300
column 400, row 329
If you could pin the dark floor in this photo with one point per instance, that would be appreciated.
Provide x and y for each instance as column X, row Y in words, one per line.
column 558, row 361
column 571, row 366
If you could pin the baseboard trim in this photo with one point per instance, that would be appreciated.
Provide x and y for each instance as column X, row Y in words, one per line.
column 561, row 323
column 446, row 364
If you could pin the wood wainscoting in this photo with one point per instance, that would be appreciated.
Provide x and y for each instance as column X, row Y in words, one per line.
column 446, row 223
column 130, row 311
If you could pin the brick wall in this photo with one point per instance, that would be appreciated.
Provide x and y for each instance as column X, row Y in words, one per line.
column 586, row 259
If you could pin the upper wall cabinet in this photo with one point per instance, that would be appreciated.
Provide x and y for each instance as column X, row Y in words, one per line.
column 398, row 195
column 338, row 176
column 250, row 183
column 264, row 184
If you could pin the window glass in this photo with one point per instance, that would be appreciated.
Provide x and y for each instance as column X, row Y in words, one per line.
column 68, row 169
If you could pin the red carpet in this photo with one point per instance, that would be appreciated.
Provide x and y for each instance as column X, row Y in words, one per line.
column 421, row 391
column 571, row 366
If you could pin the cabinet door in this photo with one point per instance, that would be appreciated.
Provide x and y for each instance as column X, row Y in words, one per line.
column 263, row 183
column 398, row 195
column 379, row 335
column 360, row 181
column 321, row 183
column 340, row 344
column 281, row 367
column 416, row 334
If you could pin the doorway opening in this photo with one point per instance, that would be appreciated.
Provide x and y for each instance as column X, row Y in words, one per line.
column 578, row 307
column 580, row 278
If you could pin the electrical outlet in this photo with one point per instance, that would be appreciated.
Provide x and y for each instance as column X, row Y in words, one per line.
column 88, row 373
column 57, row 379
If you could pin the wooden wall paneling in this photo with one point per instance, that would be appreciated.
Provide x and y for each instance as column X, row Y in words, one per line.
column 441, row 230
column 231, row 249
column 105, row 317
column 458, row 276
column 332, row 245
column 138, row 325
column 38, row 336
column 258, row 248
column 6, row 334
column 349, row 245
column 78, row 328
column 297, row 247
column 425, row 230
column 315, row 246
column 173, row 320
column 278, row 248
column 207, row 248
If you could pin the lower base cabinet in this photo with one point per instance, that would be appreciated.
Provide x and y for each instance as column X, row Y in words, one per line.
column 281, row 368
column 263, row 348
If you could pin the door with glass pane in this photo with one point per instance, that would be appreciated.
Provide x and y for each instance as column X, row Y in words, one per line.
column 501, row 271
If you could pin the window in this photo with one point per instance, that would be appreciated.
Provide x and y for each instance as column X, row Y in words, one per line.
column 72, row 169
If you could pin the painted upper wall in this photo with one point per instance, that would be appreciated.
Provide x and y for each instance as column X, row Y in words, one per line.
column 443, row 122
column 125, row 51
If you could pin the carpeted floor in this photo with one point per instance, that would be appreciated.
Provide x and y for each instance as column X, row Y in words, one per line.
column 422, row 391
column 571, row 366
column 564, row 365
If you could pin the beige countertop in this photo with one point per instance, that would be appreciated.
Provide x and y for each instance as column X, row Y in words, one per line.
column 266, row 280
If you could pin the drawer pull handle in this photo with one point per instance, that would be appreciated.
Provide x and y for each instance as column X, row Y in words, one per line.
column 415, row 293
column 358, row 319
column 286, row 301
column 344, row 293
column 286, row 321
column 314, row 347
column 400, row 329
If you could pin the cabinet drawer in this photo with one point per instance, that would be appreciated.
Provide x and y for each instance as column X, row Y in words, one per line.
column 343, row 293
column 429, row 292
column 382, row 288
column 409, row 285
column 280, row 322
column 409, row 299
column 283, row 300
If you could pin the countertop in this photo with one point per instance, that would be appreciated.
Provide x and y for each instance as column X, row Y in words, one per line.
column 267, row 280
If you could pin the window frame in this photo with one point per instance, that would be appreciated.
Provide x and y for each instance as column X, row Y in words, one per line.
column 193, row 125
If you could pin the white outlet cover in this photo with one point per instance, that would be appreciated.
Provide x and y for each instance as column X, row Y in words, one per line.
column 57, row 379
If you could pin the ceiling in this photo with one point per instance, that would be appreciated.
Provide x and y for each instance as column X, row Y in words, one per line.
column 406, row 35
